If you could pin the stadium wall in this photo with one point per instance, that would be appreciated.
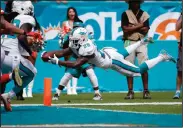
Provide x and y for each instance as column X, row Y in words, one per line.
column 104, row 19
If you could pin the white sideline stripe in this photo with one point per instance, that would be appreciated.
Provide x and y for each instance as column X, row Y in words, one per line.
column 71, row 125
column 104, row 104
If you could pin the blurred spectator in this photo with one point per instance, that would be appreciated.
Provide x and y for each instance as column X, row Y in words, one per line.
column 67, row 26
column 135, row 25
column 179, row 61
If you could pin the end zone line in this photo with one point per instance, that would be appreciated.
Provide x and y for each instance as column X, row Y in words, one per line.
column 104, row 104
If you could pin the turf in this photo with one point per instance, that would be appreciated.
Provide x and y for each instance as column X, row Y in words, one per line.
column 115, row 97
column 168, row 109
column 107, row 98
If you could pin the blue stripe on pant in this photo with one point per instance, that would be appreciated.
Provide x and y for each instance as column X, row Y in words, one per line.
column 26, row 79
column 143, row 67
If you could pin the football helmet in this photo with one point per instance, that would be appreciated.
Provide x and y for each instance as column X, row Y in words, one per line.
column 78, row 37
column 23, row 7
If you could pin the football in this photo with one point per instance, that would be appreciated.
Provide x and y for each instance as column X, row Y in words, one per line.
column 45, row 56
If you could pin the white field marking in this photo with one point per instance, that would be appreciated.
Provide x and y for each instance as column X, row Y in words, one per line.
column 104, row 104
column 71, row 125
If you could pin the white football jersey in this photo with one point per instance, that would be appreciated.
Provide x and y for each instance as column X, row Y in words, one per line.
column 10, row 42
column 100, row 59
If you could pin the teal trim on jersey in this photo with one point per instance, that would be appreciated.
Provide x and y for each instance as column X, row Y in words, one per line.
column 102, row 54
column 26, row 70
column 143, row 67
column 16, row 23
column 11, row 36
column 127, row 67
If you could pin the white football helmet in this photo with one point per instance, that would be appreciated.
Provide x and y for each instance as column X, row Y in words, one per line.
column 77, row 37
column 23, row 7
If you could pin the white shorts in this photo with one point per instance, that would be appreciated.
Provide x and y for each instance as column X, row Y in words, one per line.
column 13, row 60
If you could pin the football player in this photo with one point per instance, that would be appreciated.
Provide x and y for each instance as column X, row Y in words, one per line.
column 107, row 58
column 86, row 70
column 14, row 50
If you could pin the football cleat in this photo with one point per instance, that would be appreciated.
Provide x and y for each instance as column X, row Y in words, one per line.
column 6, row 101
column 177, row 95
column 55, row 97
column 73, row 91
column 166, row 56
column 69, row 92
column 146, row 95
column 97, row 96
column 130, row 95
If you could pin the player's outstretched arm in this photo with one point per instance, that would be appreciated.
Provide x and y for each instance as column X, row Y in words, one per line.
column 71, row 64
column 23, row 40
column 8, row 28
column 58, row 53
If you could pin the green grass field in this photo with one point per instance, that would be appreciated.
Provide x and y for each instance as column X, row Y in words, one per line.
column 115, row 98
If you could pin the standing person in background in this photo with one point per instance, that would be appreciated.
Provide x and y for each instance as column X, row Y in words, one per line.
column 135, row 25
column 67, row 26
column 179, row 61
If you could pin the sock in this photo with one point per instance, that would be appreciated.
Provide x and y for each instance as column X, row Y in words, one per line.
column 93, row 78
column 69, row 84
column 65, row 79
column 74, row 82
column 5, row 78
column 132, row 48
column 30, row 85
column 152, row 62
column 58, row 90
column 96, row 90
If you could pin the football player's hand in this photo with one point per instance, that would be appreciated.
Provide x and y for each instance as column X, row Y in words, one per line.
column 53, row 60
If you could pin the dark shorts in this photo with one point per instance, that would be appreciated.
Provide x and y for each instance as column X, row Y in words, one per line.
column 179, row 60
